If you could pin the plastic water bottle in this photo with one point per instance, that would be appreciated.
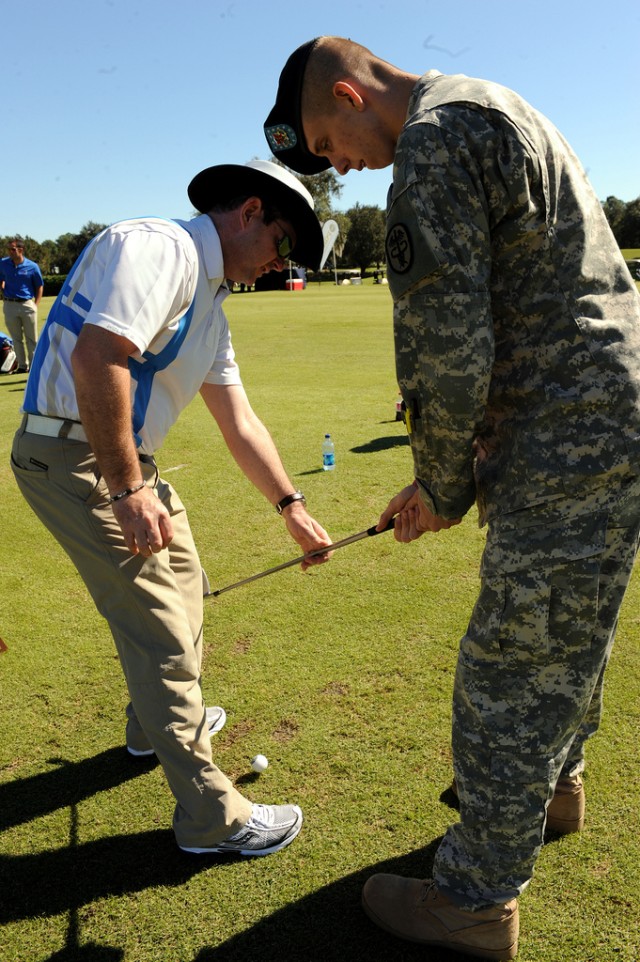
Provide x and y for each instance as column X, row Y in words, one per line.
column 328, row 454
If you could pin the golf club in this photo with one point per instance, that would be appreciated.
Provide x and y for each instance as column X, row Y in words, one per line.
column 368, row 533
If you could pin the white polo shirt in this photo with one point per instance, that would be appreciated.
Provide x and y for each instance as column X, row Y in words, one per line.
column 159, row 283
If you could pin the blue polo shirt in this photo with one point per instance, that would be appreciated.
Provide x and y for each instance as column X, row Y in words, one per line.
column 22, row 281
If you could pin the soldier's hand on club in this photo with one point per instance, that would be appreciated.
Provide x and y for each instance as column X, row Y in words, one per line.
column 145, row 522
column 307, row 532
column 412, row 517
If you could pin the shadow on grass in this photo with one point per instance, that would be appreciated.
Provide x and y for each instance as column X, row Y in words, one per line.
column 51, row 882
column 69, row 783
column 330, row 925
column 87, row 953
column 382, row 444
column 61, row 880
column 14, row 387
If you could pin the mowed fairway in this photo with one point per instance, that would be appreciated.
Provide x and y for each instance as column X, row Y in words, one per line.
column 342, row 677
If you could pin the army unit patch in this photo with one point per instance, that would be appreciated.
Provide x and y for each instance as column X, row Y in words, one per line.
column 281, row 137
column 399, row 249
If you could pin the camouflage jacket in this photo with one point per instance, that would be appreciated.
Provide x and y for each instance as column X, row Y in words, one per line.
column 517, row 323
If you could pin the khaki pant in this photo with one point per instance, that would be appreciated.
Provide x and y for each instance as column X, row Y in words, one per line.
column 21, row 319
column 154, row 608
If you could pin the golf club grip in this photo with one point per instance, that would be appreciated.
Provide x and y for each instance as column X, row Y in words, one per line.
column 347, row 541
column 388, row 527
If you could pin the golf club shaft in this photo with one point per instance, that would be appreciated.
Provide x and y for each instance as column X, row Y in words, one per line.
column 368, row 533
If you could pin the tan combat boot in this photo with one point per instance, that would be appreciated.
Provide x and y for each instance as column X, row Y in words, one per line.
column 414, row 909
column 566, row 809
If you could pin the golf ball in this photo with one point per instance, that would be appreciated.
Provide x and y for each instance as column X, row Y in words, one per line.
column 259, row 763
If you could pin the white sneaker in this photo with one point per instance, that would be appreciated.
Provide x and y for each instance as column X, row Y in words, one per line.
column 269, row 829
column 216, row 719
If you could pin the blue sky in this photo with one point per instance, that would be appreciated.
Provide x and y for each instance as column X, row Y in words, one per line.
column 111, row 106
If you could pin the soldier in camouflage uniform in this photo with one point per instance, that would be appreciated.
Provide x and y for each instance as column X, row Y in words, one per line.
column 517, row 332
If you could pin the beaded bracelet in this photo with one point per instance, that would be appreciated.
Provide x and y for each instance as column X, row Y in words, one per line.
column 125, row 493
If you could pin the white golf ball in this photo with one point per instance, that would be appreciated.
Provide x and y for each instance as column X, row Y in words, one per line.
column 259, row 763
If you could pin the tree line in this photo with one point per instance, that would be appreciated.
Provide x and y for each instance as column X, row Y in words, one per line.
column 57, row 256
column 362, row 230
column 624, row 220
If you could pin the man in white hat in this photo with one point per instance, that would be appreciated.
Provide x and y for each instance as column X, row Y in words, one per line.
column 136, row 332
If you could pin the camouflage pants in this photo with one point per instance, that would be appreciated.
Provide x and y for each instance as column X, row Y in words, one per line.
column 528, row 687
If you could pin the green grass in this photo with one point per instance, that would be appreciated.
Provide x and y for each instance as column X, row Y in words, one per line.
column 342, row 677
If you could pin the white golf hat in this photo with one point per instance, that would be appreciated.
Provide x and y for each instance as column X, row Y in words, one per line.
column 271, row 183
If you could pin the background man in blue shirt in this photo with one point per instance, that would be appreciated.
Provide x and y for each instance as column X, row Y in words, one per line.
column 22, row 286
